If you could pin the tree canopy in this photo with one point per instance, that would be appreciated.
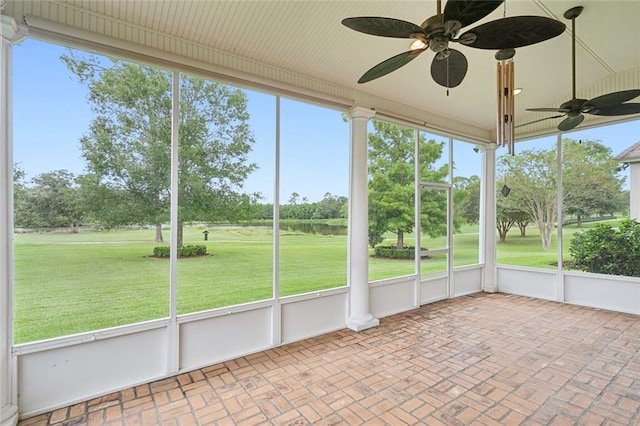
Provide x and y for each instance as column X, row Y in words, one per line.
column 590, row 184
column 128, row 145
column 392, row 183
column 466, row 198
column 52, row 199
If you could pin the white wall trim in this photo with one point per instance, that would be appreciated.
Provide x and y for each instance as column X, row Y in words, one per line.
column 603, row 277
column 90, row 336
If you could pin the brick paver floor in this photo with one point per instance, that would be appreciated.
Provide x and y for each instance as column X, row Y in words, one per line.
column 485, row 359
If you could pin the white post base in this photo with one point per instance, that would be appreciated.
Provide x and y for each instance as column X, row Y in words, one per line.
column 362, row 325
column 8, row 415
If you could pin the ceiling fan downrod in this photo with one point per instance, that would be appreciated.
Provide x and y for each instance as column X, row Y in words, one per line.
column 572, row 14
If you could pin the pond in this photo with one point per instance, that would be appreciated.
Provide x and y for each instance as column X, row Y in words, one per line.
column 303, row 227
column 314, row 228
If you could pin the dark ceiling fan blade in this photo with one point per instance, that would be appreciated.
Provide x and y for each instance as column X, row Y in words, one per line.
column 383, row 27
column 549, row 109
column 513, row 32
column 449, row 71
column 612, row 99
column 613, row 110
column 537, row 121
column 469, row 11
column 570, row 122
column 391, row 64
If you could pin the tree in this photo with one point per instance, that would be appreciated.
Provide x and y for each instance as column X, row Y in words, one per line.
column 293, row 200
column 504, row 222
column 522, row 221
column 128, row 145
column 590, row 184
column 532, row 179
column 20, row 214
column 52, row 200
column 330, row 207
column 467, row 198
column 391, row 184
column 509, row 212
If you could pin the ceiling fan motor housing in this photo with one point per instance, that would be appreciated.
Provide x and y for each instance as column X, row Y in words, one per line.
column 440, row 33
column 438, row 43
column 574, row 106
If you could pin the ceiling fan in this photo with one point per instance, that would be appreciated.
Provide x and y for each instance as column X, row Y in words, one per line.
column 611, row 104
column 449, row 66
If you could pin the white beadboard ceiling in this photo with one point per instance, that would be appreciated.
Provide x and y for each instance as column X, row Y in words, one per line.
column 303, row 43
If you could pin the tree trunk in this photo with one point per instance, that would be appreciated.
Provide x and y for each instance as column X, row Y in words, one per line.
column 159, row 238
column 503, row 225
column 180, row 234
column 545, row 235
column 579, row 221
column 546, row 242
column 523, row 229
column 400, row 242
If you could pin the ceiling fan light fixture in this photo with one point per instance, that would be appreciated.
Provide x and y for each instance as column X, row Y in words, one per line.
column 418, row 44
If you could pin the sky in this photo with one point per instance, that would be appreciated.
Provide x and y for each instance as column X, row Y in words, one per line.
column 51, row 114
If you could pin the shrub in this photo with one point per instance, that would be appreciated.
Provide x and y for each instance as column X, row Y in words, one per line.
column 186, row 251
column 375, row 237
column 607, row 250
column 392, row 252
column 161, row 251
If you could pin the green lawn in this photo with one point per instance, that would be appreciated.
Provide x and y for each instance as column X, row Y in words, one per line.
column 68, row 283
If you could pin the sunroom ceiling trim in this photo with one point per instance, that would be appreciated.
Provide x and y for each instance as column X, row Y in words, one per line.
column 77, row 27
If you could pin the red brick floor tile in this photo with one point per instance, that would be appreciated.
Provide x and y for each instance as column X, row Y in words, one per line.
column 40, row 420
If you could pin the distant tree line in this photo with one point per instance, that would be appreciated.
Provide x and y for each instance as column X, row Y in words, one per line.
column 58, row 199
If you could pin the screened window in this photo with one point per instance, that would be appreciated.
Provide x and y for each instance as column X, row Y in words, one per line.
column 91, row 191
column 314, row 182
column 467, row 179
column 225, row 195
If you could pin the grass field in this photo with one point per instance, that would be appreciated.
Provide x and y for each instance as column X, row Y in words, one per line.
column 68, row 283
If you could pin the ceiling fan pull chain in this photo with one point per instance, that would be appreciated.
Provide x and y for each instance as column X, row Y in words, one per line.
column 447, row 76
column 573, row 55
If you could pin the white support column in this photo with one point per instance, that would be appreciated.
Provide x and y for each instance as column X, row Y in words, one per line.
column 8, row 395
column 488, row 220
column 560, row 276
column 359, row 317
column 173, row 338
column 634, row 186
